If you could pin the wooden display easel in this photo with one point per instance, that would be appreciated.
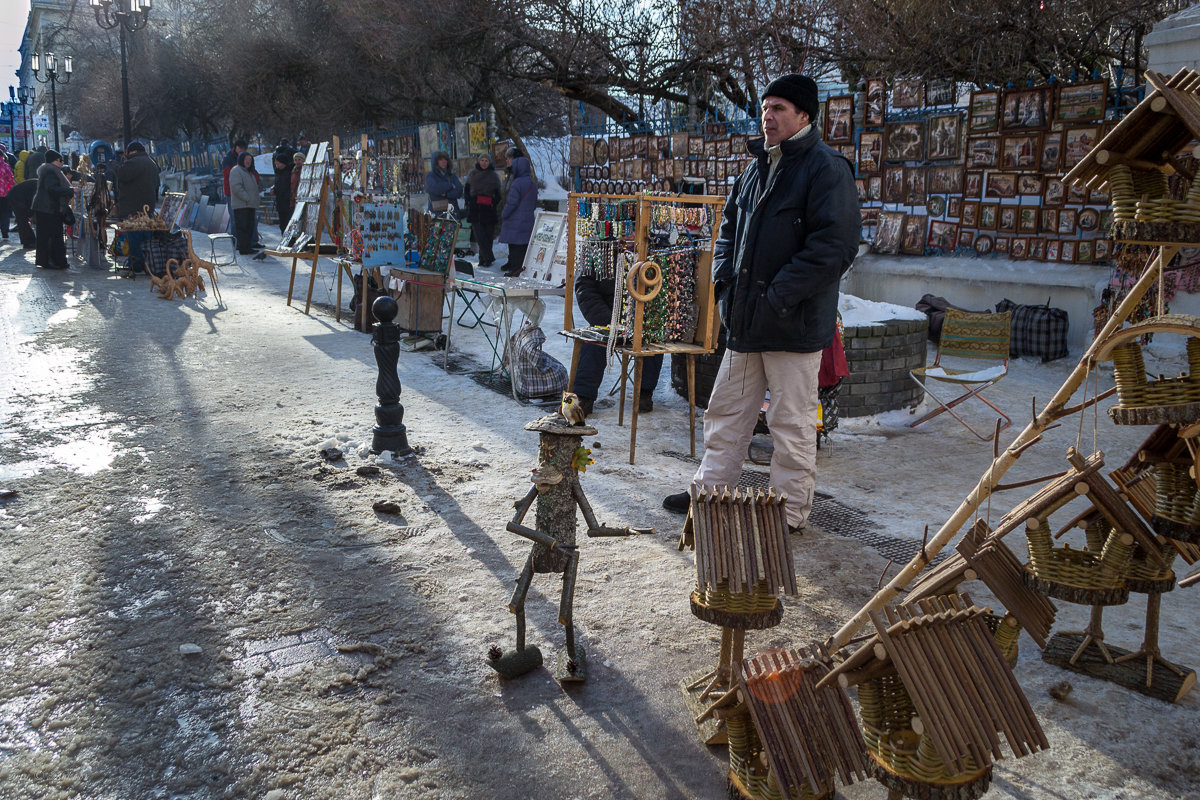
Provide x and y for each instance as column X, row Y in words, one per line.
column 705, row 340
column 325, row 224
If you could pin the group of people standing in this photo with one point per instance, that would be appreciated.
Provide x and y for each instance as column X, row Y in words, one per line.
column 37, row 187
column 510, row 201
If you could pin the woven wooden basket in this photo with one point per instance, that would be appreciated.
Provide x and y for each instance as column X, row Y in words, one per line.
column 1135, row 390
column 722, row 599
column 1080, row 569
column 1175, row 496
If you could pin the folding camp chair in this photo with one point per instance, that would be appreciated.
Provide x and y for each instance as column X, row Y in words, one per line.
column 968, row 334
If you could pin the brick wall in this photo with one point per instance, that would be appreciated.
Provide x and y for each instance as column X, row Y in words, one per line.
column 880, row 357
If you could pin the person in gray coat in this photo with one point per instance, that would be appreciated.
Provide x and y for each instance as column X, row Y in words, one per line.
column 243, row 200
column 137, row 182
column 517, row 218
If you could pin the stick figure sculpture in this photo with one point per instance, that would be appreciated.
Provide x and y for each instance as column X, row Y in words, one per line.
column 561, row 458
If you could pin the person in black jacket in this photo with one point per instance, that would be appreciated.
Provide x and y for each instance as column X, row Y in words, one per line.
column 52, row 198
column 20, row 202
column 789, row 232
column 595, row 298
column 282, row 162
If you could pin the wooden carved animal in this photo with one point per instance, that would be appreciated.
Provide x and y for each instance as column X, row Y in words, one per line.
column 199, row 263
column 571, row 410
column 162, row 284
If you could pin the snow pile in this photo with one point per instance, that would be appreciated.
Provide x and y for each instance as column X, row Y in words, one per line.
column 856, row 311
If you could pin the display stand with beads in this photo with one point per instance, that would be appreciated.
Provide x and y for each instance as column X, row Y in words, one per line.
column 658, row 251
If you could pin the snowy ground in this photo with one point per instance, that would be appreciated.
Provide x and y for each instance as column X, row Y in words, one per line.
column 171, row 492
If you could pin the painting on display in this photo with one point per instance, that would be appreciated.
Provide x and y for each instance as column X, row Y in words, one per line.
column 888, row 232
column 1026, row 108
column 945, row 132
column 876, row 102
column 546, row 258
column 839, row 113
column 940, row 93
column 905, row 141
column 479, row 139
column 908, row 93
column 984, row 109
column 1082, row 102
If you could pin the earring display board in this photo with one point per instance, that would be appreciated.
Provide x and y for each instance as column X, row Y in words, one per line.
column 438, row 250
column 657, row 250
column 383, row 229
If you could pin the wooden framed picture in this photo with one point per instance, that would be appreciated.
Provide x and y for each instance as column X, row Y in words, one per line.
column 869, row 216
column 1019, row 249
column 875, row 188
column 966, row 238
column 1027, row 219
column 1052, row 249
column 1066, row 251
column 1002, row 243
column 983, row 151
column 1098, row 197
column 1025, row 109
column 848, row 152
column 944, row 135
column 870, row 152
column 1037, row 248
column 1088, row 220
column 893, row 184
column 935, row 204
column 1066, row 221
column 1077, row 143
column 1001, row 185
column 723, row 148
column 973, row 183
column 1055, row 192
column 1029, row 184
column 1082, row 102
column 914, row 186
column 1006, row 220
column 954, row 207
column 1051, row 151
column 908, row 93
column 970, row 213
column 1106, row 219
column 946, row 178
column 889, row 231
column 737, row 145
column 710, row 148
column 1048, row 220
column 839, row 117
column 695, row 146
column 1020, row 151
column 940, row 93
column 905, row 141
column 984, row 244
column 860, row 185
column 600, row 152
column 1077, row 194
column 913, row 242
column 876, row 102
column 1084, row 252
column 943, row 235
column 988, row 215
column 578, row 145
column 1100, row 249
column 641, row 146
column 983, row 111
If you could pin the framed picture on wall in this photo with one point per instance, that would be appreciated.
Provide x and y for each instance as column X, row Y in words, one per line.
column 970, row 213
column 1002, row 243
column 966, row 238
column 889, row 231
column 1029, row 184
column 954, row 207
column 1055, row 193
column 940, row 93
column 905, row 141
column 1084, row 252
column 943, row 235
column 1037, row 248
column 1077, row 194
column 839, row 116
column 908, row 93
column 914, row 186
column 1019, row 248
column 1066, row 251
column 1088, row 220
column 1027, row 219
column 943, row 137
column 870, row 152
column 1051, row 151
column 1006, row 221
column 988, row 216
column 860, row 185
column 1048, row 220
column 946, row 178
column 1082, row 102
column 876, row 102
column 695, row 146
column 875, row 188
column 983, row 111
column 935, row 204
column 893, row 184
column 983, row 151
column 1077, row 143
column 1021, row 151
column 984, row 244
column 1100, row 249
column 1066, row 221
column 1052, row 249
column 913, row 241
column 1025, row 109
column 973, row 183
column 1001, row 185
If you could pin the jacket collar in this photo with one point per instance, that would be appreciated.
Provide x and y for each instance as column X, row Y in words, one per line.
column 790, row 147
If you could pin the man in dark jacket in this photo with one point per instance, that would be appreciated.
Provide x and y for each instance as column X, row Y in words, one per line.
column 20, row 201
column 137, row 180
column 595, row 296
column 789, row 232
column 282, row 162
column 35, row 160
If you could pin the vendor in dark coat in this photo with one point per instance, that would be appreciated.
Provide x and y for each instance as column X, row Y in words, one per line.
column 595, row 297
column 137, row 182
column 483, row 198
column 282, row 162
column 442, row 185
column 20, row 202
column 52, row 198
column 518, row 213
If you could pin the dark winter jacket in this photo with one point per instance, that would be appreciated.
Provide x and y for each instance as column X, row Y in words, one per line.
column 595, row 297
column 21, row 196
column 227, row 163
column 442, row 185
column 483, row 195
column 137, row 182
column 35, row 160
column 520, row 206
column 54, row 191
column 784, row 246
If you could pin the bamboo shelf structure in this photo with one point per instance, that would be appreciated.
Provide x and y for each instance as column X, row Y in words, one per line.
column 743, row 563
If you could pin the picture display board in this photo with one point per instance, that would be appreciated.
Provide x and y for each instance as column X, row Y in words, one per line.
column 546, row 258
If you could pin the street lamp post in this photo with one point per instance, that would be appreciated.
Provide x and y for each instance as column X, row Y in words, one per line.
column 25, row 95
column 10, row 111
column 53, row 78
column 131, row 16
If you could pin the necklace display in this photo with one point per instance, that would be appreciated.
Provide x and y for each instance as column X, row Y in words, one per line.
column 671, row 316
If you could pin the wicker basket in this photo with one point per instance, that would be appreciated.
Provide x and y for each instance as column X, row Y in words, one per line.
column 1135, row 390
column 1080, row 569
column 720, row 598
column 1175, row 496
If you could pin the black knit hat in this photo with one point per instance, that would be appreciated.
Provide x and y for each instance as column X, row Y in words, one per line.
column 135, row 147
column 799, row 90
column 53, row 155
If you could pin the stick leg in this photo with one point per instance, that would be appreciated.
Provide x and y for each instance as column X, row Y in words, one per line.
column 517, row 604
